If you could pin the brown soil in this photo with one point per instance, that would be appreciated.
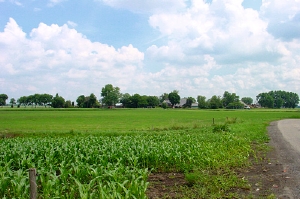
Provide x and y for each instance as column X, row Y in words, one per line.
column 277, row 173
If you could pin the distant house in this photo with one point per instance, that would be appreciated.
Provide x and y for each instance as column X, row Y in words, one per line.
column 168, row 103
column 181, row 103
column 246, row 106
column 119, row 105
column 194, row 105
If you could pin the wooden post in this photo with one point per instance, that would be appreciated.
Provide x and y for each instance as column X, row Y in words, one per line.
column 33, row 185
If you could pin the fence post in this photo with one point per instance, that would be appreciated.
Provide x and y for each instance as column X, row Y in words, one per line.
column 33, row 185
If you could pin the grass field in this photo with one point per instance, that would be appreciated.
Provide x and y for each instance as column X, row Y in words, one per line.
column 97, row 153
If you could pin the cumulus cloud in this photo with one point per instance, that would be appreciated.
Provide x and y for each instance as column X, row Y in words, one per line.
column 206, row 48
column 60, row 57
column 239, row 40
column 283, row 18
column 222, row 28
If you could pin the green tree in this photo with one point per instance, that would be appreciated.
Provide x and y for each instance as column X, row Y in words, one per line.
column 143, row 103
column 36, row 99
column 164, row 105
column 3, row 98
column 265, row 100
column 247, row 100
column 235, row 105
column 22, row 100
column 80, row 101
column 291, row 100
column 174, row 98
column 215, row 102
column 12, row 102
column 30, row 100
column 163, row 97
column 68, row 104
column 201, row 102
column 125, row 100
column 110, row 94
column 58, row 101
column 153, row 101
column 45, row 99
column 189, row 102
column 279, row 99
column 135, row 101
column 229, row 98
column 92, row 100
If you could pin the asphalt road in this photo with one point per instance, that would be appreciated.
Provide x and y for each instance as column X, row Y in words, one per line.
column 285, row 140
column 290, row 130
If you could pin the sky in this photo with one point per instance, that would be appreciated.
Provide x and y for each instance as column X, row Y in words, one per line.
column 149, row 47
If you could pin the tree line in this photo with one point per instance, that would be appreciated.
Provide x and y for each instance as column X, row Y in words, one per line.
column 111, row 96
column 278, row 99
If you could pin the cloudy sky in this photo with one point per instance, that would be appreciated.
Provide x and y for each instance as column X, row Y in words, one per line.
column 149, row 47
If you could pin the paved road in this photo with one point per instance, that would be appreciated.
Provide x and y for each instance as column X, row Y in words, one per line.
column 285, row 139
column 290, row 130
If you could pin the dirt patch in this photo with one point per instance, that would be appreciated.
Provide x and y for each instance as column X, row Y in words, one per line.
column 9, row 135
column 275, row 174
column 165, row 185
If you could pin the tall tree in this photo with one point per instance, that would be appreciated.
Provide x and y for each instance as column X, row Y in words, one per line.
column 12, row 102
column 265, row 100
column 58, row 101
column 229, row 98
column 174, row 97
column 278, row 99
column 215, row 102
column 68, row 104
column 3, row 98
column 153, row 101
column 80, row 101
column 247, row 100
column 135, row 100
column 46, row 99
column 92, row 100
column 125, row 100
column 163, row 97
column 110, row 94
column 189, row 102
column 22, row 100
column 36, row 99
column 201, row 102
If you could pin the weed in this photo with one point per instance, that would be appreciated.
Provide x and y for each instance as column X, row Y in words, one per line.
column 221, row 128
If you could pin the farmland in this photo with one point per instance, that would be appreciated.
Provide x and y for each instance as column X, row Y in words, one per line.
column 97, row 153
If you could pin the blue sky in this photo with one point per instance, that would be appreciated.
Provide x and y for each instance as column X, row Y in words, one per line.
column 149, row 47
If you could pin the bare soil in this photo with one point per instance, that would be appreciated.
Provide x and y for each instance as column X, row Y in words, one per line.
column 276, row 174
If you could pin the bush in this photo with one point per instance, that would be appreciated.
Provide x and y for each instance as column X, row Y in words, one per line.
column 220, row 128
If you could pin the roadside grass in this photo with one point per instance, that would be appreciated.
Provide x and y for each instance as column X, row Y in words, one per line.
column 109, row 153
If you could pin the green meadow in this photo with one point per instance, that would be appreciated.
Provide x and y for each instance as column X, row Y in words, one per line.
column 100, row 153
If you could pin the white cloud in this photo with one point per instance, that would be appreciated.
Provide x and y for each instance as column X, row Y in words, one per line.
column 58, row 56
column 52, row 3
column 72, row 24
column 283, row 18
column 146, row 5
column 15, row 2
column 205, row 49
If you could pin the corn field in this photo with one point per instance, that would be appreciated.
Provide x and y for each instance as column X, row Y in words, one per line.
column 110, row 166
